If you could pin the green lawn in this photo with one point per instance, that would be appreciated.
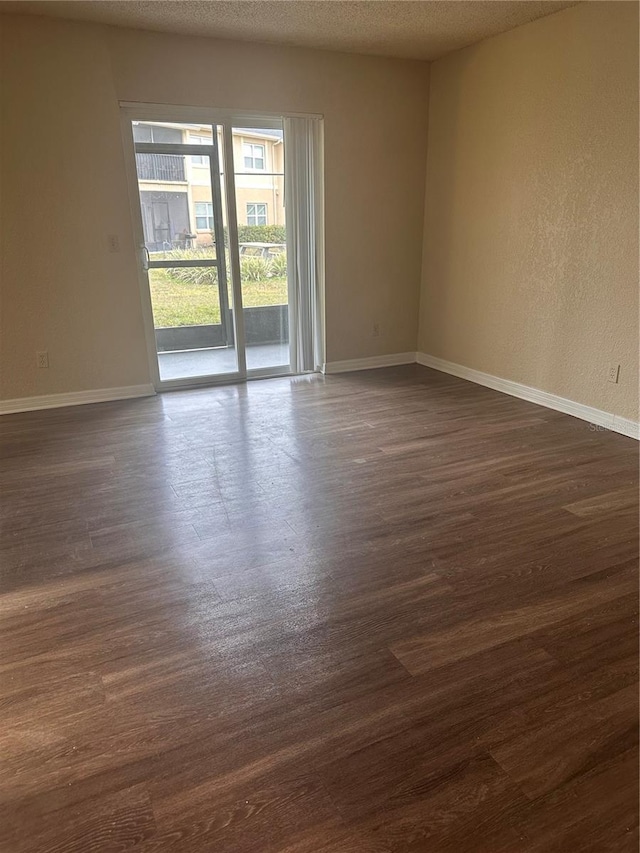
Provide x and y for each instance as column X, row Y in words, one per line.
column 178, row 304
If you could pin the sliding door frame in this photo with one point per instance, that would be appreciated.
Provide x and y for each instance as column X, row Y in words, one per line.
column 226, row 119
column 210, row 151
column 234, row 251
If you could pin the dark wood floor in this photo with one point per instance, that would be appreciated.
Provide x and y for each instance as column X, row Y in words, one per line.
column 373, row 613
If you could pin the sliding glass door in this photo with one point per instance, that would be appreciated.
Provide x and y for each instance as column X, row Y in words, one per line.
column 258, row 161
column 212, row 222
column 182, row 213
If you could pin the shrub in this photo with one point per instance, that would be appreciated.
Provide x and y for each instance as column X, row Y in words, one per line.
column 192, row 275
column 279, row 265
column 251, row 268
column 259, row 234
column 196, row 253
column 254, row 269
column 195, row 275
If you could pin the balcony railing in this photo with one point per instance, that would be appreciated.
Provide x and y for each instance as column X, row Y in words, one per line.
column 160, row 167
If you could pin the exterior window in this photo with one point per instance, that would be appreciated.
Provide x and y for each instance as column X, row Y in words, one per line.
column 253, row 156
column 256, row 214
column 156, row 133
column 199, row 159
column 204, row 216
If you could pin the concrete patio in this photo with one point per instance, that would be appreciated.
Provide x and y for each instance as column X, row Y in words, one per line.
column 188, row 364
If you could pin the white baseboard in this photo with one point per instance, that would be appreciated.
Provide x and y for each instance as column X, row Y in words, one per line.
column 369, row 363
column 74, row 398
column 534, row 395
column 598, row 417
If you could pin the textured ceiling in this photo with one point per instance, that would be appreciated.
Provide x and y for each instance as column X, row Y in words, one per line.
column 417, row 30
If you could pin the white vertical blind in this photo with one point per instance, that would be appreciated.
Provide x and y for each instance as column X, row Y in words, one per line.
column 305, row 240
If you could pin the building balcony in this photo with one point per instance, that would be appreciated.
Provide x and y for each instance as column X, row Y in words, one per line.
column 160, row 167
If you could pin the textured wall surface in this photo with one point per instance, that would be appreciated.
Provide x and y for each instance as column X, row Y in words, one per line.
column 530, row 268
column 64, row 188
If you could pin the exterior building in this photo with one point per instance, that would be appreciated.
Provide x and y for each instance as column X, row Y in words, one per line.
column 175, row 189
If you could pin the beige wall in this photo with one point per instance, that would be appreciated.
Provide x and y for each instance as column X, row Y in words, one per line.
column 62, row 178
column 62, row 191
column 530, row 250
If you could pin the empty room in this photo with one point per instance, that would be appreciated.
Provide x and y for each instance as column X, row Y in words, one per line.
column 319, row 426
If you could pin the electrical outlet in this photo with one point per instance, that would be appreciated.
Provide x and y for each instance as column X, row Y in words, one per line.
column 42, row 359
column 113, row 242
column 376, row 330
column 613, row 373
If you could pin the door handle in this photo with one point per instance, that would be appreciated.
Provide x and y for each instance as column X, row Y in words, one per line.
column 144, row 257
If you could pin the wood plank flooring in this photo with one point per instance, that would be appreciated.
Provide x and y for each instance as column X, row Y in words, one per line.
column 384, row 612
